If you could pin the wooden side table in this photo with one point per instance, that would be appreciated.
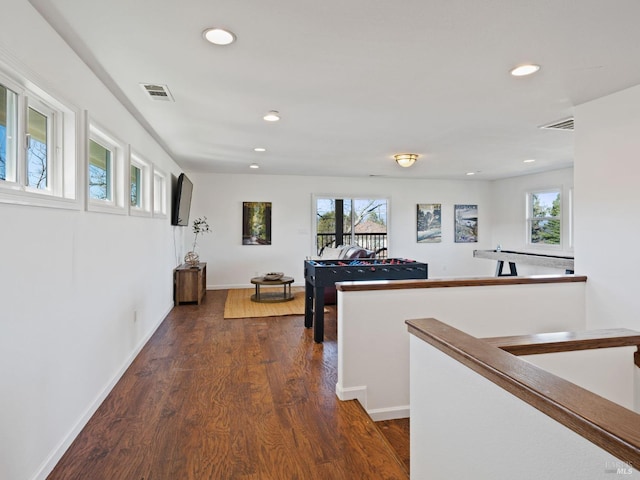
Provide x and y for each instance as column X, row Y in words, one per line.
column 189, row 283
column 272, row 297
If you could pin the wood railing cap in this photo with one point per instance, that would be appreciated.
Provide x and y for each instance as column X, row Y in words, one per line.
column 601, row 421
column 566, row 341
column 457, row 282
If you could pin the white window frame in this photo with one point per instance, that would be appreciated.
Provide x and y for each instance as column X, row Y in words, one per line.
column 530, row 219
column 146, row 187
column 12, row 170
column 118, row 181
column 159, row 195
column 571, row 228
column 62, row 184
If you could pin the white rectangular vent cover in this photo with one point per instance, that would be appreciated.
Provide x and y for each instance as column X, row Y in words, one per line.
column 157, row 92
column 566, row 124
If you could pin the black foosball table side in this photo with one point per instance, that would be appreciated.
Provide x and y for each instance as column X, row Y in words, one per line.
column 321, row 274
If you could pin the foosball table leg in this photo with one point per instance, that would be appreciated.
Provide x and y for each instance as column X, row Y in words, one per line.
column 318, row 321
column 308, row 305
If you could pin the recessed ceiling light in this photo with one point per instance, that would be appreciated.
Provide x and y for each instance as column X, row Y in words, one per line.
column 530, row 160
column 523, row 70
column 272, row 116
column 470, row 173
column 219, row 36
column 254, row 165
column 259, row 149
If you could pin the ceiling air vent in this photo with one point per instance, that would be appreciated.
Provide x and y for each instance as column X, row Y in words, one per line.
column 157, row 92
column 566, row 124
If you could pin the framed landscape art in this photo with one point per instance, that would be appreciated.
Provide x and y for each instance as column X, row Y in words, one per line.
column 466, row 223
column 256, row 223
column 429, row 223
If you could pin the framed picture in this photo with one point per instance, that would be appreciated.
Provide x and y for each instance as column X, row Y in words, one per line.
column 466, row 223
column 429, row 223
column 256, row 223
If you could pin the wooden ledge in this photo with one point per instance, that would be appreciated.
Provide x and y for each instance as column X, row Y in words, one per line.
column 457, row 282
column 566, row 341
column 601, row 421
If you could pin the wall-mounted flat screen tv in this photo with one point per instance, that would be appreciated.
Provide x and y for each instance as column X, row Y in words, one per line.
column 182, row 201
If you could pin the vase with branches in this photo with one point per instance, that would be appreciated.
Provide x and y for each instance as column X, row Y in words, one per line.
column 200, row 226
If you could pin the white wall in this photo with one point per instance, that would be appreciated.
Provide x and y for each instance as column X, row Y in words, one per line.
column 373, row 342
column 608, row 372
column 508, row 204
column 80, row 292
column 231, row 264
column 475, row 429
column 607, row 198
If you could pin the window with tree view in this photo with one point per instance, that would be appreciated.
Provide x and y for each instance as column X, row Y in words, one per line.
column 136, row 177
column 37, row 149
column 100, row 177
column 343, row 221
column 544, row 217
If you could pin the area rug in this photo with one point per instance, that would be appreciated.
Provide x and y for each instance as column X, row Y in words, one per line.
column 239, row 304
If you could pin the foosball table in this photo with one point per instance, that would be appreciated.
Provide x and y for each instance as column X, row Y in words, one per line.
column 319, row 274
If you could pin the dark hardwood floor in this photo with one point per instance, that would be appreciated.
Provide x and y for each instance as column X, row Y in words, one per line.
column 397, row 434
column 209, row 398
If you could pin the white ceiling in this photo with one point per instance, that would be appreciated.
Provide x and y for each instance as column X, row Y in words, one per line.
column 358, row 80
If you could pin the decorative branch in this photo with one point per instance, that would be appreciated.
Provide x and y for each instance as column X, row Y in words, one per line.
column 200, row 226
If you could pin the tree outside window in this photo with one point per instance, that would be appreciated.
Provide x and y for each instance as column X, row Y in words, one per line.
column 136, row 178
column 545, row 218
column 351, row 221
column 38, row 149
column 99, row 171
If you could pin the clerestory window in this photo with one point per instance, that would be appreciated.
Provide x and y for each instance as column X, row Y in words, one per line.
column 140, row 186
column 37, row 150
column 107, row 173
column 100, row 171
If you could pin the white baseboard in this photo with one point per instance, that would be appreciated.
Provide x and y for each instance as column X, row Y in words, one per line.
column 379, row 414
column 55, row 456
column 376, row 414
column 352, row 393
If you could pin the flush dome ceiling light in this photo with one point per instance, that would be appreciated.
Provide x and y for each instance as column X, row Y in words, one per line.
column 523, row 70
column 219, row 36
column 272, row 116
column 406, row 159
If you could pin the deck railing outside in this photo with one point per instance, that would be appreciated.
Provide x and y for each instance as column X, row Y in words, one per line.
column 376, row 242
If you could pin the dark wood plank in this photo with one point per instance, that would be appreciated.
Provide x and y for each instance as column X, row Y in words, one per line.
column 604, row 423
column 565, row 341
column 457, row 282
column 209, row 398
column 397, row 433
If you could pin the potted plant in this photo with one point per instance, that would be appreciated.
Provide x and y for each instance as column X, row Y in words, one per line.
column 200, row 226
